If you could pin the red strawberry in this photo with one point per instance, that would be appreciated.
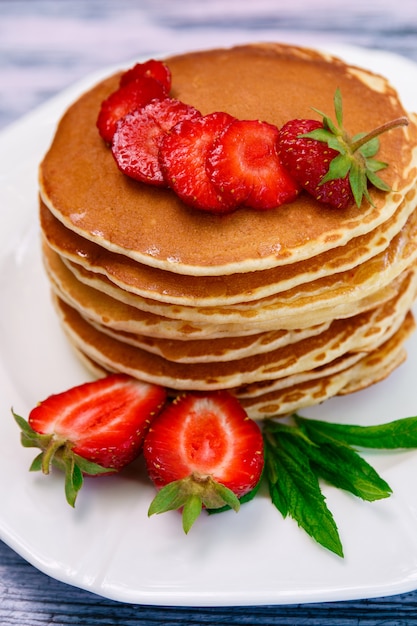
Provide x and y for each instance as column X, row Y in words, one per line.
column 308, row 160
column 244, row 165
column 153, row 69
column 183, row 156
column 124, row 100
column 92, row 428
column 202, row 450
column 138, row 137
column 331, row 165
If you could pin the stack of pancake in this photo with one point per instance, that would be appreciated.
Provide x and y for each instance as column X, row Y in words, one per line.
column 285, row 307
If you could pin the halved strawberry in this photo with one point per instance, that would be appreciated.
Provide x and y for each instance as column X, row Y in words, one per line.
column 202, row 450
column 93, row 428
column 124, row 100
column 138, row 137
column 183, row 154
column 334, row 167
column 244, row 165
column 151, row 68
column 308, row 160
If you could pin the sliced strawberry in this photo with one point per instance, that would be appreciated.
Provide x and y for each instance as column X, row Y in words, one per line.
column 202, row 450
column 138, row 137
column 124, row 100
column 183, row 156
column 244, row 165
column 92, row 428
column 153, row 69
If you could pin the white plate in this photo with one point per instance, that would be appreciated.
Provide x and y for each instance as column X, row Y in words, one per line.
column 107, row 544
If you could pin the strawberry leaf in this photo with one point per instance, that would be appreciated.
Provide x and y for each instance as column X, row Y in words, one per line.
column 339, row 168
column 357, row 183
column 338, row 107
column 319, row 134
column 36, row 464
column 73, row 481
column 93, row 469
column 169, row 498
column 191, row 511
column 226, row 497
column 377, row 182
column 242, row 499
column 376, row 166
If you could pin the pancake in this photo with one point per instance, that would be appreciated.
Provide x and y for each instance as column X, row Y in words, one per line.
column 172, row 288
column 322, row 385
column 108, row 208
column 342, row 292
column 363, row 332
column 373, row 368
column 284, row 308
column 373, row 323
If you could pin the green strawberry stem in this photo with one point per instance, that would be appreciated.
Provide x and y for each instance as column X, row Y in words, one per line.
column 190, row 494
column 49, row 453
column 383, row 128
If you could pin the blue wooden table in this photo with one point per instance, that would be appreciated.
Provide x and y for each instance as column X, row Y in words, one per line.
column 45, row 45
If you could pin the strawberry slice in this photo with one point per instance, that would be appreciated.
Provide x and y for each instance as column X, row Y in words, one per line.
column 183, row 154
column 202, row 450
column 152, row 69
column 244, row 165
column 93, row 428
column 124, row 100
column 138, row 137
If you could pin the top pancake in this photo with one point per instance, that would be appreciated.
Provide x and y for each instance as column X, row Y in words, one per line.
column 82, row 186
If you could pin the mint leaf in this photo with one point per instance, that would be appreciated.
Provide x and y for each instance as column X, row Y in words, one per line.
column 295, row 490
column 297, row 457
column 344, row 468
column 401, row 433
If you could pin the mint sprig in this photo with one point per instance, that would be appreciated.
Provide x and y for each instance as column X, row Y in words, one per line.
column 299, row 456
column 294, row 487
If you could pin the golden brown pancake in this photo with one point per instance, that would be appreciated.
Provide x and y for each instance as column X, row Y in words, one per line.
column 361, row 333
column 342, row 294
column 347, row 375
column 285, row 307
column 371, row 369
column 82, row 187
column 172, row 288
